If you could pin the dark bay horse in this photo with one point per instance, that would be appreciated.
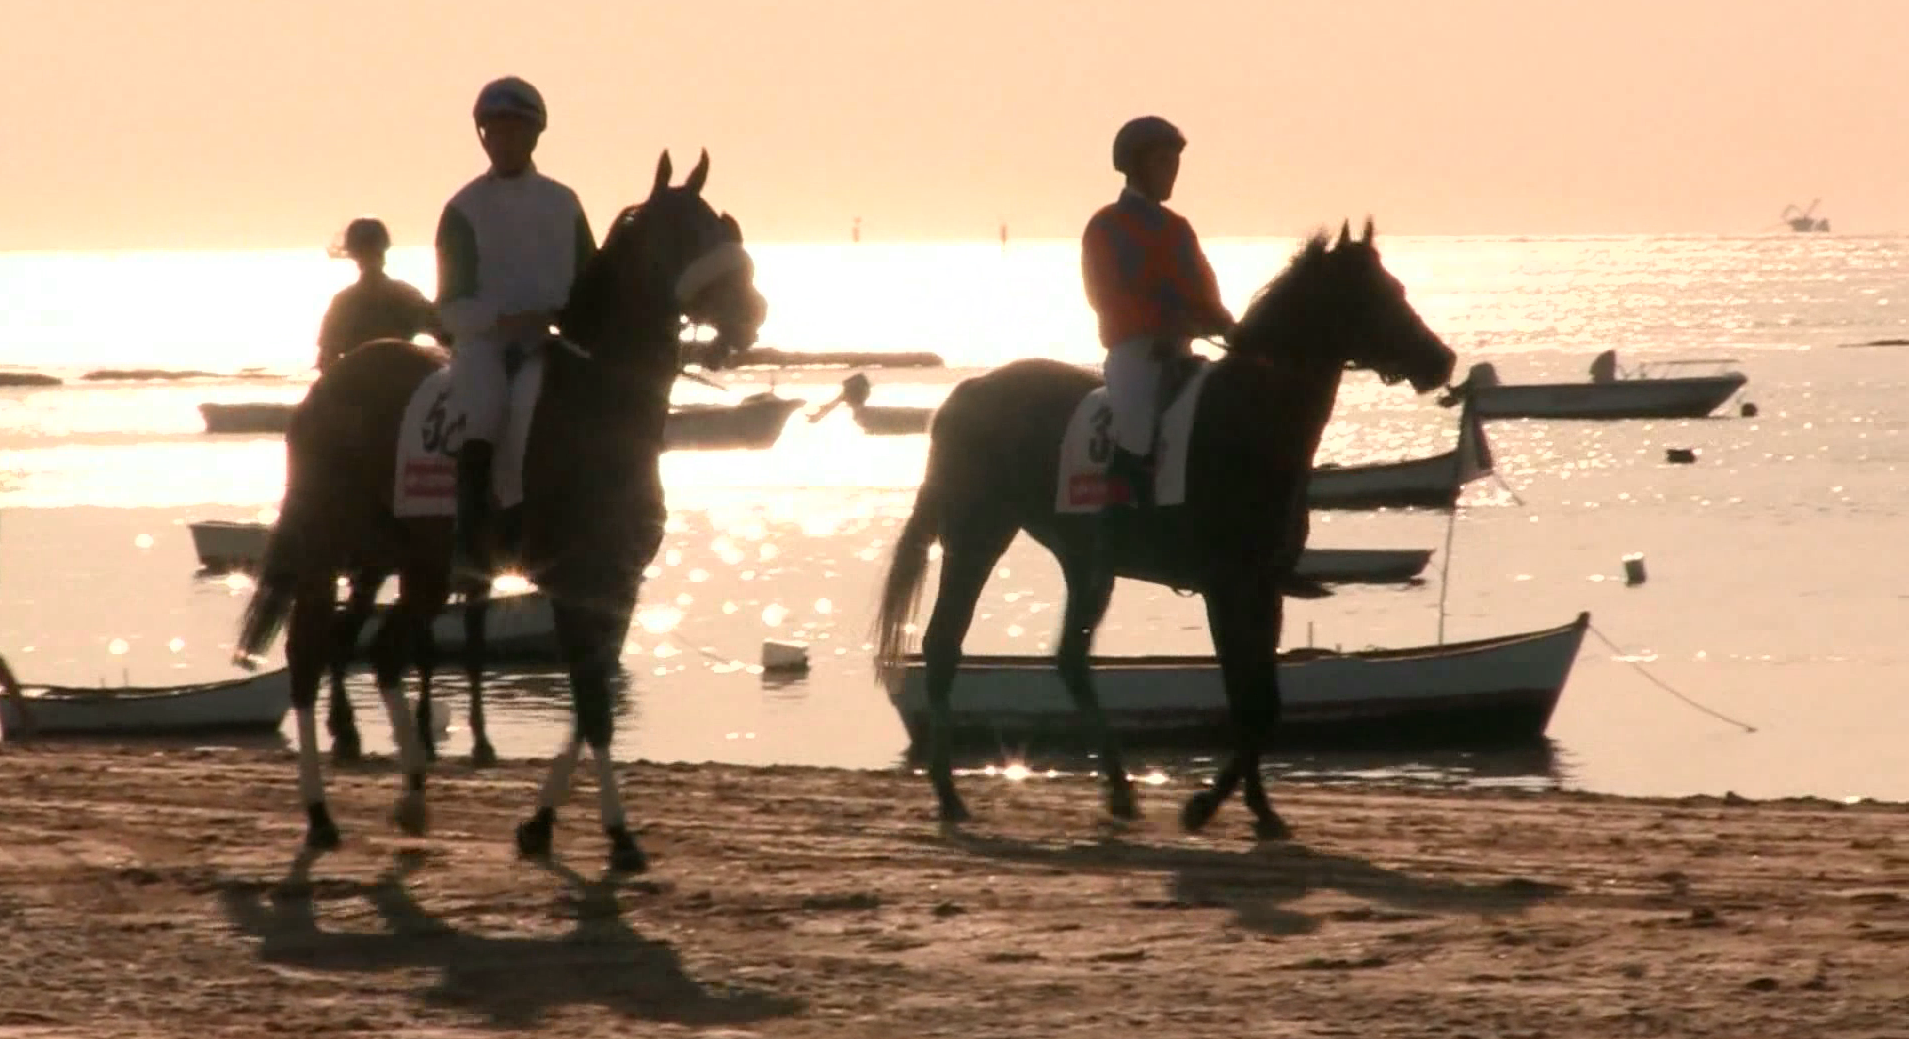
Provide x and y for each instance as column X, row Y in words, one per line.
column 592, row 513
column 993, row 461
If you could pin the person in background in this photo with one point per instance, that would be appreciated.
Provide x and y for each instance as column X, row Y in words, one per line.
column 376, row 306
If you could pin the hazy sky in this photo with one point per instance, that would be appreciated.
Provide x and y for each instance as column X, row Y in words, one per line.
column 203, row 123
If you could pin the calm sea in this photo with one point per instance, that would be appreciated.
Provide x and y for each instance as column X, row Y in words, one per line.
column 1776, row 590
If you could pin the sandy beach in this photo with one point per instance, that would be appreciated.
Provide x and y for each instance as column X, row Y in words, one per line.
column 154, row 892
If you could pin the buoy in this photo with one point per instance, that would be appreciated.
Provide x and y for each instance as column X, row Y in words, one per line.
column 1634, row 568
column 1748, row 410
column 784, row 657
column 1681, row 455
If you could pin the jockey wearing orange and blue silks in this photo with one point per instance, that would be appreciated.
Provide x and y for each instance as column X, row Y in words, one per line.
column 1150, row 284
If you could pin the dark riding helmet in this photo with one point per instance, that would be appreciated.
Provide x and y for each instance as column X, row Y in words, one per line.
column 1140, row 136
column 365, row 235
column 510, row 96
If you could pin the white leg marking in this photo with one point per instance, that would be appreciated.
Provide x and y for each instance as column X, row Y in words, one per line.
column 311, row 781
column 557, row 782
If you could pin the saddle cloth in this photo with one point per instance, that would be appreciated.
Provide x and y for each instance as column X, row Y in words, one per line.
column 433, row 430
column 1089, row 443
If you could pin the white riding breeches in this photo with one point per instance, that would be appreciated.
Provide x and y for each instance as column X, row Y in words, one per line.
column 478, row 386
column 1133, row 376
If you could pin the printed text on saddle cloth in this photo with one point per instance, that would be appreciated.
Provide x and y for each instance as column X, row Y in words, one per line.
column 433, row 430
column 1088, row 444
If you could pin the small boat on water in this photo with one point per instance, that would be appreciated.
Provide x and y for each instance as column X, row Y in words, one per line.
column 518, row 627
column 1362, row 565
column 755, row 422
column 226, row 545
column 1494, row 692
column 252, row 418
column 875, row 419
column 1434, row 482
column 1611, row 393
column 254, row 703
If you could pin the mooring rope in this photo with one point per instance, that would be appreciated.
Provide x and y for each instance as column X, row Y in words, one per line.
column 1665, row 686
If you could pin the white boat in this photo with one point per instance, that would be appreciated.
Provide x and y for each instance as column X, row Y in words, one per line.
column 1436, row 481
column 1362, row 565
column 256, row 418
column 878, row 420
column 753, row 423
column 226, row 545
column 518, row 627
column 1489, row 692
column 254, row 703
column 1610, row 394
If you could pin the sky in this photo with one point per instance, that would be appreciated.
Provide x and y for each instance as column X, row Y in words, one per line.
column 156, row 124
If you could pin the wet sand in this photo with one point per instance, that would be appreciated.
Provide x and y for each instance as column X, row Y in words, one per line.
column 154, row 893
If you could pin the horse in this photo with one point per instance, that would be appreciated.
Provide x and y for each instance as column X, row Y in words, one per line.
column 592, row 513
column 992, row 469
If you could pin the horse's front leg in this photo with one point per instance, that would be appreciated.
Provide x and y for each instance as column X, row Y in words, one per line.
column 1243, row 614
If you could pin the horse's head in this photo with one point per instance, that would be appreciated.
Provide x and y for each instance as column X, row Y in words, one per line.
column 1354, row 310
column 675, row 257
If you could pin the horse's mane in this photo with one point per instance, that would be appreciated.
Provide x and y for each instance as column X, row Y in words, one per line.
column 595, row 283
column 1275, row 299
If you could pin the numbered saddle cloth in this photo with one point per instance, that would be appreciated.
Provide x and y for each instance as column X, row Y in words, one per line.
column 1089, row 443
column 433, row 430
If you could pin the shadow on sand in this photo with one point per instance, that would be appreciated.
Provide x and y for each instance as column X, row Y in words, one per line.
column 1257, row 884
column 513, row 981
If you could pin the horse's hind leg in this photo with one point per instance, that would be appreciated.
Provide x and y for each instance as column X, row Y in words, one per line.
column 307, row 648
column 426, row 653
column 476, row 617
column 970, row 546
column 421, row 594
column 1090, row 588
column 590, row 634
column 340, row 720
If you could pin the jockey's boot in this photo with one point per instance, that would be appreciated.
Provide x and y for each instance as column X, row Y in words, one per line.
column 1129, row 497
column 471, row 532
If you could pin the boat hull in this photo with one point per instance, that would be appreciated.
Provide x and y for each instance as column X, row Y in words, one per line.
column 1434, row 482
column 1691, row 397
column 750, row 425
column 256, row 703
column 1484, row 694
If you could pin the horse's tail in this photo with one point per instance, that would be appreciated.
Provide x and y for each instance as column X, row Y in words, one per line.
column 280, row 568
column 901, row 589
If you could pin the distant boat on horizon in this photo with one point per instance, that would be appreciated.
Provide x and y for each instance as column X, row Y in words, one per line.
column 1804, row 220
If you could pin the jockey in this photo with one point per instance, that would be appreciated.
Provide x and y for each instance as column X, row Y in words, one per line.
column 508, row 247
column 1152, row 288
column 376, row 306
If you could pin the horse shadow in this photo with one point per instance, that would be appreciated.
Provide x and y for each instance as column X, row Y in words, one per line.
column 513, row 981
column 1258, row 884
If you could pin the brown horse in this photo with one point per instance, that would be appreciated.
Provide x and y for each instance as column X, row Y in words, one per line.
column 992, row 470
column 592, row 513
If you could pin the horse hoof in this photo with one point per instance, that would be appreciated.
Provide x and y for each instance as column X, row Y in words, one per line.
column 347, row 750
column 411, row 817
column 483, row 755
column 1272, row 828
column 321, row 834
column 953, row 812
column 1198, row 811
column 625, row 856
column 533, row 836
column 1121, row 804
